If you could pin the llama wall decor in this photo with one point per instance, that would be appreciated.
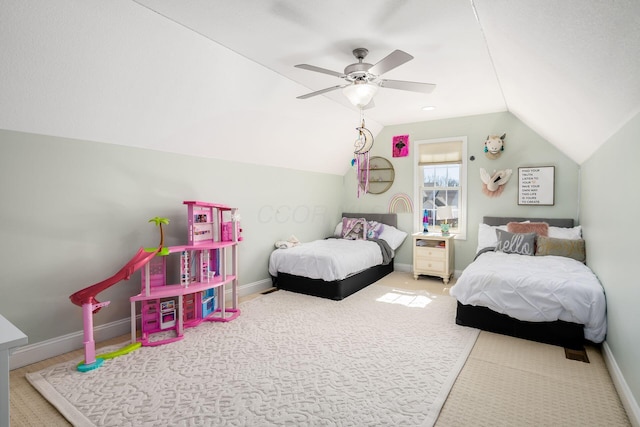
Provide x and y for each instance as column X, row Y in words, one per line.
column 494, row 146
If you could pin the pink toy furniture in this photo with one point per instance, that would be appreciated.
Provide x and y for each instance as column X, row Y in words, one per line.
column 199, row 293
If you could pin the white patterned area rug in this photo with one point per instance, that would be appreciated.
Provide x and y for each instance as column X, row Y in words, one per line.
column 382, row 356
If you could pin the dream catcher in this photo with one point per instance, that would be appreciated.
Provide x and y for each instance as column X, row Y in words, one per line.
column 362, row 145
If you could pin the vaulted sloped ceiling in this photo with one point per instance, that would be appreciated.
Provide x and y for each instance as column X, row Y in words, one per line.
column 216, row 78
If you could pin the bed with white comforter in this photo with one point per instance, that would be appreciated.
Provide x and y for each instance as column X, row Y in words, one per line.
column 328, row 259
column 535, row 289
column 343, row 264
column 530, row 280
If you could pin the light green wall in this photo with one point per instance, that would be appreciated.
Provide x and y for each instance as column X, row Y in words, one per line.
column 608, row 207
column 523, row 147
column 73, row 212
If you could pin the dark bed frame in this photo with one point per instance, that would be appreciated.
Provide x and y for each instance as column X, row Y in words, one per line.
column 339, row 289
column 561, row 333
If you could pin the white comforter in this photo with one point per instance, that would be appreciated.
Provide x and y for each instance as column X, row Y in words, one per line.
column 330, row 259
column 535, row 289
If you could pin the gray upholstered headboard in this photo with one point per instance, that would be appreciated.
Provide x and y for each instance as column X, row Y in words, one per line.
column 385, row 218
column 503, row 220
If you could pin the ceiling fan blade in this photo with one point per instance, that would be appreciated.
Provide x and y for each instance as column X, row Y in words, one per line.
column 320, row 92
column 320, row 70
column 410, row 86
column 391, row 61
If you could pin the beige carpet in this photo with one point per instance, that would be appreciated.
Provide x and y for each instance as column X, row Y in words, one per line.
column 383, row 356
column 512, row 382
column 505, row 382
column 509, row 381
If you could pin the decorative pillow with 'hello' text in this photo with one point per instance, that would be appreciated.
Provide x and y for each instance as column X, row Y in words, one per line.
column 516, row 243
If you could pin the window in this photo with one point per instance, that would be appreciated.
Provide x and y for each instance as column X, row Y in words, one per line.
column 441, row 167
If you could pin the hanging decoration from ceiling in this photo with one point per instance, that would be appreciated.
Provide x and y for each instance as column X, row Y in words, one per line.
column 494, row 146
column 361, row 149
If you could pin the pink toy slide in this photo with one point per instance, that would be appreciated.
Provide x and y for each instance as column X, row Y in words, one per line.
column 86, row 298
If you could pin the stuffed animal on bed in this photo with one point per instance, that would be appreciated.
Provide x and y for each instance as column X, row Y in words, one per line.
column 285, row 244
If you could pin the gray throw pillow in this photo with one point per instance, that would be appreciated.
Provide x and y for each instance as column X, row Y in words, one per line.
column 516, row 243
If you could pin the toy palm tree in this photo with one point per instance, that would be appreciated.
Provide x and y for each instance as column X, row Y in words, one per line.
column 159, row 221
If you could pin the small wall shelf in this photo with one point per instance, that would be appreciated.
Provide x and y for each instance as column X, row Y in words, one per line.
column 381, row 175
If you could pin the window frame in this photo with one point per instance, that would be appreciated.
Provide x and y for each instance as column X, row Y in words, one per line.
column 461, row 231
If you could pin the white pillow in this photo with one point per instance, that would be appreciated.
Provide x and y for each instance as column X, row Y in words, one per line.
column 338, row 231
column 393, row 236
column 574, row 233
column 487, row 237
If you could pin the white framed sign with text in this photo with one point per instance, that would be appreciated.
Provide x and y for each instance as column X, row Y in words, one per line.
column 536, row 185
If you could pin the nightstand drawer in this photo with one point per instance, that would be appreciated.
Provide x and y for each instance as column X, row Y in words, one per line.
column 425, row 264
column 431, row 253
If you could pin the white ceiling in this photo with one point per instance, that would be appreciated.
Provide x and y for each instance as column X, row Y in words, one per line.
column 217, row 78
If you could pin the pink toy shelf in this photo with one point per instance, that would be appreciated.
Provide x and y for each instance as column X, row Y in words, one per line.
column 170, row 305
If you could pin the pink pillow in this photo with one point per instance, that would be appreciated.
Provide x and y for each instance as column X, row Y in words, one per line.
column 540, row 228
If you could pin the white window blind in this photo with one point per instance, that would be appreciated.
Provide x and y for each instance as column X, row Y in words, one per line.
column 440, row 153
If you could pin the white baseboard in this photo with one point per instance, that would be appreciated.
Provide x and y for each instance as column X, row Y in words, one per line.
column 408, row 268
column 47, row 349
column 626, row 397
column 253, row 288
column 42, row 350
column 405, row 268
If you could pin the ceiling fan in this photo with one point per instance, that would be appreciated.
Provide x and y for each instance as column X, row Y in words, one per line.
column 363, row 79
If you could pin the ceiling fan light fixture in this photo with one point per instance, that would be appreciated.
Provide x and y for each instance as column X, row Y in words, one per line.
column 360, row 94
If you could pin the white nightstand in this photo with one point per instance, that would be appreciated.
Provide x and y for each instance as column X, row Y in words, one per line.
column 433, row 255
